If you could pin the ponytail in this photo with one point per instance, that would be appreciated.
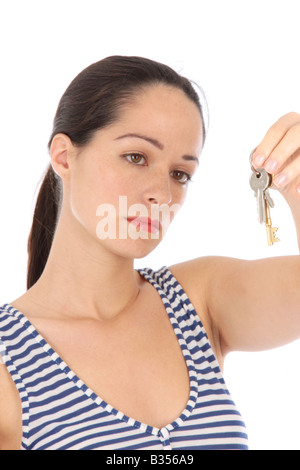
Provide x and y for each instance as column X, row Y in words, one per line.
column 43, row 226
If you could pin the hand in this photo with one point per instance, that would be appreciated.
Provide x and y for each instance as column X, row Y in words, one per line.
column 279, row 155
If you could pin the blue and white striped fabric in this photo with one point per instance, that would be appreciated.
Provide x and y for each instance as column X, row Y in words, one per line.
column 60, row 412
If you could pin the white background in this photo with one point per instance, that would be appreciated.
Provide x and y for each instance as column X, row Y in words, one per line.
column 246, row 57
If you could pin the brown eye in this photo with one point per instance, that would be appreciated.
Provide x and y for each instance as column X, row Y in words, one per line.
column 181, row 176
column 136, row 158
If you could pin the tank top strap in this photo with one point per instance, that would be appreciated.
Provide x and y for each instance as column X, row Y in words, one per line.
column 12, row 354
column 169, row 287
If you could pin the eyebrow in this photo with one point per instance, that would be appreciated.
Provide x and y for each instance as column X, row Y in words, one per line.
column 154, row 142
column 157, row 144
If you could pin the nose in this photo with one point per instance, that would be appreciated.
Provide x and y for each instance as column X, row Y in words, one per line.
column 158, row 190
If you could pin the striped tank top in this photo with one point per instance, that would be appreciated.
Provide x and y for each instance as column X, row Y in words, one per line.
column 60, row 412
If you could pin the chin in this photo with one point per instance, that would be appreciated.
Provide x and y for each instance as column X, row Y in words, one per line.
column 133, row 249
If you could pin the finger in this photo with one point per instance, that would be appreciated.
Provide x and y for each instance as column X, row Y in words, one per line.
column 286, row 149
column 290, row 173
column 273, row 137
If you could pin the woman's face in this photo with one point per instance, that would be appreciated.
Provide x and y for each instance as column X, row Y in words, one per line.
column 125, row 186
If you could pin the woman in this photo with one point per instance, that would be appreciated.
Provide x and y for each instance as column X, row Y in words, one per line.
column 97, row 354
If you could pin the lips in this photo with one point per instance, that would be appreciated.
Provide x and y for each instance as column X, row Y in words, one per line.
column 145, row 224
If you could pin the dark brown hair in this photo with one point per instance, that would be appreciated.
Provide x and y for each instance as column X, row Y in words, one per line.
column 91, row 102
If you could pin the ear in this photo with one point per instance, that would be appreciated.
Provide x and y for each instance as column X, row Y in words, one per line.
column 61, row 151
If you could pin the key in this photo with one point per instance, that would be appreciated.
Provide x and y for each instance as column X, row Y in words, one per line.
column 267, row 194
column 259, row 182
column 271, row 231
column 269, row 199
column 258, row 178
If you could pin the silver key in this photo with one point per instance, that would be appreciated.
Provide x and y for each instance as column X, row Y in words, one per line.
column 269, row 199
column 266, row 192
column 260, row 181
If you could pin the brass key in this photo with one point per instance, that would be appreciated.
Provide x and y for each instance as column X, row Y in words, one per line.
column 260, row 182
column 271, row 231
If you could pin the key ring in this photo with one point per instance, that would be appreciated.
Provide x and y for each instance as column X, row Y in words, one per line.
column 257, row 172
column 250, row 158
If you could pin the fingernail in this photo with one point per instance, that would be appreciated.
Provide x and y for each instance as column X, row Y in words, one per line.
column 270, row 166
column 259, row 160
column 280, row 180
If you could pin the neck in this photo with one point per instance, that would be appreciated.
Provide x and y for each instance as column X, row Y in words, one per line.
column 82, row 279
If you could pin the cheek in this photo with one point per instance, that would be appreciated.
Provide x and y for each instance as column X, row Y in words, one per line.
column 111, row 189
column 92, row 193
column 179, row 196
column 178, row 201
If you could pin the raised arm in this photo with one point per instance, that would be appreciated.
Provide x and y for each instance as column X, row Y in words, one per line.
column 254, row 305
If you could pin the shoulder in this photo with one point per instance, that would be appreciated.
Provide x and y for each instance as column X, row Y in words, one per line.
column 10, row 401
column 196, row 270
column 212, row 280
column 199, row 276
column 195, row 277
column 6, row 319
column 211, row 283
column 10, row 412
column 204, row 275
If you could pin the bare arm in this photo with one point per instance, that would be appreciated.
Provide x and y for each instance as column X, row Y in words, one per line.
column 254, row 305
column 246, row 305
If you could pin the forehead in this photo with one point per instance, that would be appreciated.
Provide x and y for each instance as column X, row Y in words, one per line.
column 161, row 96
column 165, row 110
